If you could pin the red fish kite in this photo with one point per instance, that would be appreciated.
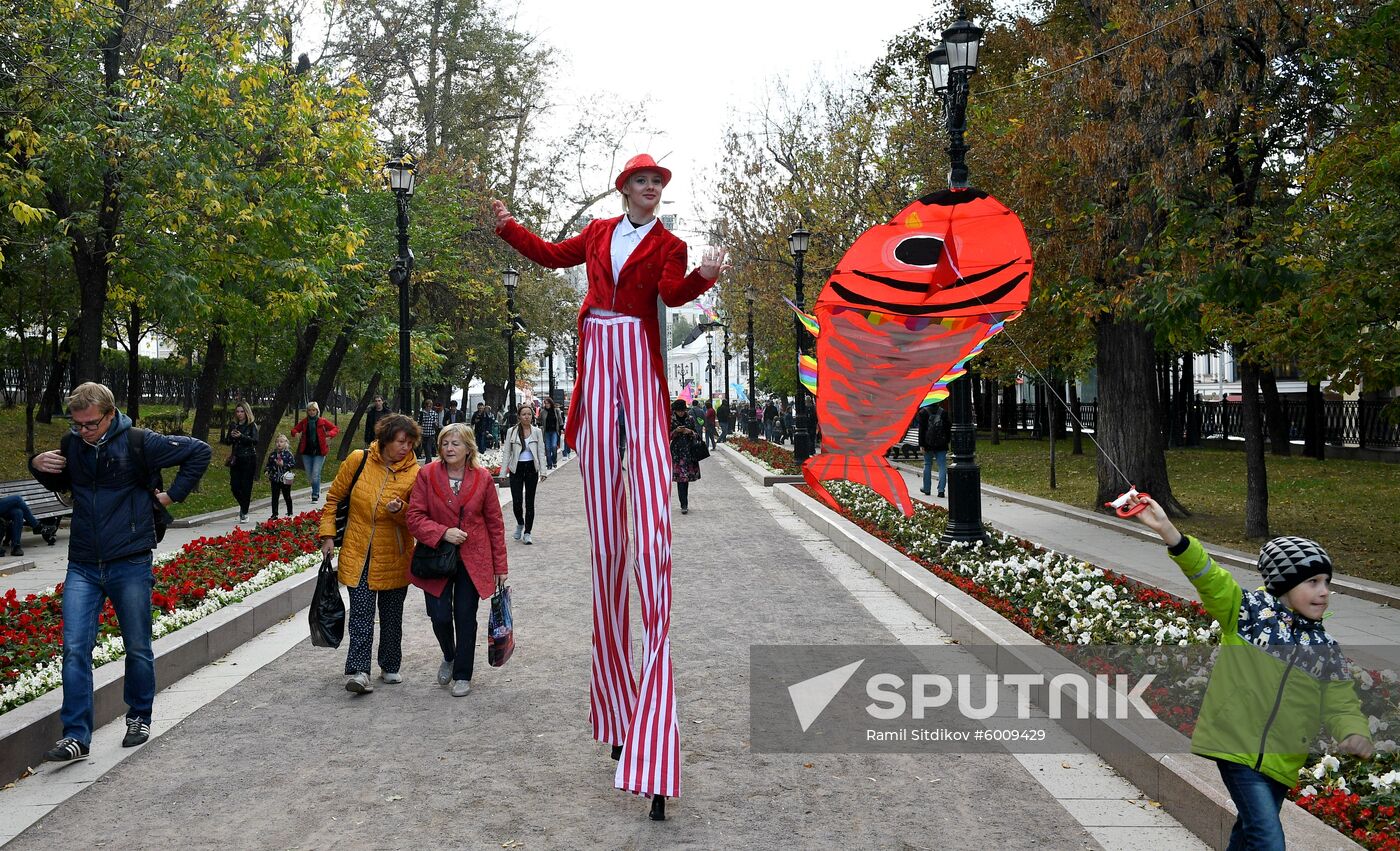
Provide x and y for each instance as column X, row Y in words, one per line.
column 909, row 304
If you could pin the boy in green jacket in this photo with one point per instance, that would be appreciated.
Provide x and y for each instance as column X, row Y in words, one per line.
column 1278, row 678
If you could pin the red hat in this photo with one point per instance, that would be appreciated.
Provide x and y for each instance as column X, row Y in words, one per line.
column 641, row 162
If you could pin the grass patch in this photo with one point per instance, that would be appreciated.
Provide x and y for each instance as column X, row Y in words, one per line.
column 1343, row 505
column 213, row 492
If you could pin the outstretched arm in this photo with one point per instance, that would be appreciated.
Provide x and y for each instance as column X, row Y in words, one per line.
column 551, row 255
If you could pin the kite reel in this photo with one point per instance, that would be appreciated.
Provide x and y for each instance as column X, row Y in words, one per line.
column 1121, row 503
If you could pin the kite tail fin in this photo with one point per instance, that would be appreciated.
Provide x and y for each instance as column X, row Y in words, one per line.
column 873, row 471
column 807, row 373
column 808, row 320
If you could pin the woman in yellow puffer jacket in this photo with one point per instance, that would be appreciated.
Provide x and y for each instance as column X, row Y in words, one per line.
column 378, row 549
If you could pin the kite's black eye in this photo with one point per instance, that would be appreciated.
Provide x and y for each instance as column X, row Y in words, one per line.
column 922, row 251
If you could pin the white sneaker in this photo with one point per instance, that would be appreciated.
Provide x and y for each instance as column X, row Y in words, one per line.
column 460, row 688
column 392, row 679
column 359, row 683
column 445, row 673
column 527, row 537
column 519, row 530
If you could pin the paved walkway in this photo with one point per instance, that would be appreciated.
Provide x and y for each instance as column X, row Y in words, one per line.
column 1354, row 622
column 287, row 759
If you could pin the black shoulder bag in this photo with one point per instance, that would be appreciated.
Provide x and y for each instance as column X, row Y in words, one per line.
column 439, row 562
column 342, row 508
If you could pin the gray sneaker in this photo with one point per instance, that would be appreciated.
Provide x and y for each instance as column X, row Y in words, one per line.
column 445, row 673
column 460, row 688
column 359, row 683
column 391, row 678
column 527, row 537
column 519, row 530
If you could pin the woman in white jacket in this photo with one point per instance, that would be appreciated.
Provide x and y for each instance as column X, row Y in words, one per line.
column 525, row 461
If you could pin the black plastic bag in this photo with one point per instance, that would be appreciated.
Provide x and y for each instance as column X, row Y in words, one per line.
column 500, row 630
column 327, row 613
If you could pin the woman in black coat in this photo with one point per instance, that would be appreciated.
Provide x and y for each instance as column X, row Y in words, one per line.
column 242, row 435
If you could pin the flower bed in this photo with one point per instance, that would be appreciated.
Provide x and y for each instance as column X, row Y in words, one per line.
column 775, row 458
column 202, row 577
column 1065, row 601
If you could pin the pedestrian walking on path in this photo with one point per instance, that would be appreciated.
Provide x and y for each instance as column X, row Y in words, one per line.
column 241, row 437
column 630, row 260
column 428, row 424
column 524, row 462
column 109, row 468
column 377, row 548
column 1255, row 714
column 935, row 430
column 454, row 501
column 316, row 432
column 281, row 472
column 372, row 416
column 711, row 423
column 551, row 423
column 684, row 468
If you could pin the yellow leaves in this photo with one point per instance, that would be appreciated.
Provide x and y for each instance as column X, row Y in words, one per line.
column 27, row 215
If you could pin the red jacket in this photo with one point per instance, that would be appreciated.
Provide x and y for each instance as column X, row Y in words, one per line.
column 434, row 508
column 325, row 430
column 656, row 267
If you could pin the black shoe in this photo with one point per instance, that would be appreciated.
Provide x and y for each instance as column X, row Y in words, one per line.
column 685, row 510
column 137, row 732
column 940, row 494
column 658, row 808
column 66, row 750
column 616, row 752
column 924, row 492
column 16, row 551
column 50, row 534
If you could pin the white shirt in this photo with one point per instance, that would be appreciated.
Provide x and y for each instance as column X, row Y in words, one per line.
column 625, row 239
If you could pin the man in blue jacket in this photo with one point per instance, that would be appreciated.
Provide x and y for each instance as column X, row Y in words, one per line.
column 109, row 551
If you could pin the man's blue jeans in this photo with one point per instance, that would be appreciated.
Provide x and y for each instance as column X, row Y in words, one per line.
column 1258, row 799
column 551, row 448
column 16, row 510
column 127, row 583
column 313, row 465
column 942, row 458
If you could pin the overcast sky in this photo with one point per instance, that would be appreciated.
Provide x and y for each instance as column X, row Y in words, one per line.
column 705, row 61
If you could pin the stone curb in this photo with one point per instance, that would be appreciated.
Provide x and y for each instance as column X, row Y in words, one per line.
column 1152, row 757
column 226, row 513
column 754, row 471
column 30, row 729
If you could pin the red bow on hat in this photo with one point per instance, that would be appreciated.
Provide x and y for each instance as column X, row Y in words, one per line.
column 641, row 162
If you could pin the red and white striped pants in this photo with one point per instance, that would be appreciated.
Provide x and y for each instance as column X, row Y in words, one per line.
column 618, row 373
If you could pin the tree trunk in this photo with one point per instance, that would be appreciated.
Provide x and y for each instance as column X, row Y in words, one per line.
column 1008, row 409
column 1129, row 421
column 1256, row 497
column 994, row 406
column 1193, row 404
column 133, row 362
column 52, row 403
column 1273, row 414
column 347, row 439
column 211, row 374
column 330, row 368
column 292, row 379
column 1314, row 424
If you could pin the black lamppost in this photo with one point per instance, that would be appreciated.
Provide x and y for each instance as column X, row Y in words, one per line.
column 753, row 398
column 401, row 177
column 510, row 277
column 951, row 65
column 710, row 326
column 798, row 241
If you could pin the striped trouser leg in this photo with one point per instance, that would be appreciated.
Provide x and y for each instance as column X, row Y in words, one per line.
column 612, row 689
column 650, row 763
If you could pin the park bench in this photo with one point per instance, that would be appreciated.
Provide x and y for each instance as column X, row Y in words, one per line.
column 48, row 507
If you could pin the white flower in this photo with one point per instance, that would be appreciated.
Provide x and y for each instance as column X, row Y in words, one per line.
column 1308, row 790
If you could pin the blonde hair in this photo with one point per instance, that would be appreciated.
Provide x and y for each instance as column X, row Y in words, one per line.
column 247, row 412
column 281, row 439
column 90, row 394
column 311, row 405
column 464, row 434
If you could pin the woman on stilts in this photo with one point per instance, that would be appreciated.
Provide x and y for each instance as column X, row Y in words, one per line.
column 630, row 260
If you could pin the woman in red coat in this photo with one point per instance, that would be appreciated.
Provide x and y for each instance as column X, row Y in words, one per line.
column 454, row 500
column 315, row 444
column 630, row 260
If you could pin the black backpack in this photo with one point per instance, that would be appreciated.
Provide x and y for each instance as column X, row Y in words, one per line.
column 136, row 445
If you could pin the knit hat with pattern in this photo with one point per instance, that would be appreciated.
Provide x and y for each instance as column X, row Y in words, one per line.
column 1286, row 561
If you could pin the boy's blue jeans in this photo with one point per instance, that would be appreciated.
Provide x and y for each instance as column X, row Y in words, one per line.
column 127, row 583
column 942, row 457
column 551, row 448
column 1258, row 799
column 313, row 465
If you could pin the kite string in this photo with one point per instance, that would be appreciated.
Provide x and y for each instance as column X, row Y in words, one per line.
column 1048, row 386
